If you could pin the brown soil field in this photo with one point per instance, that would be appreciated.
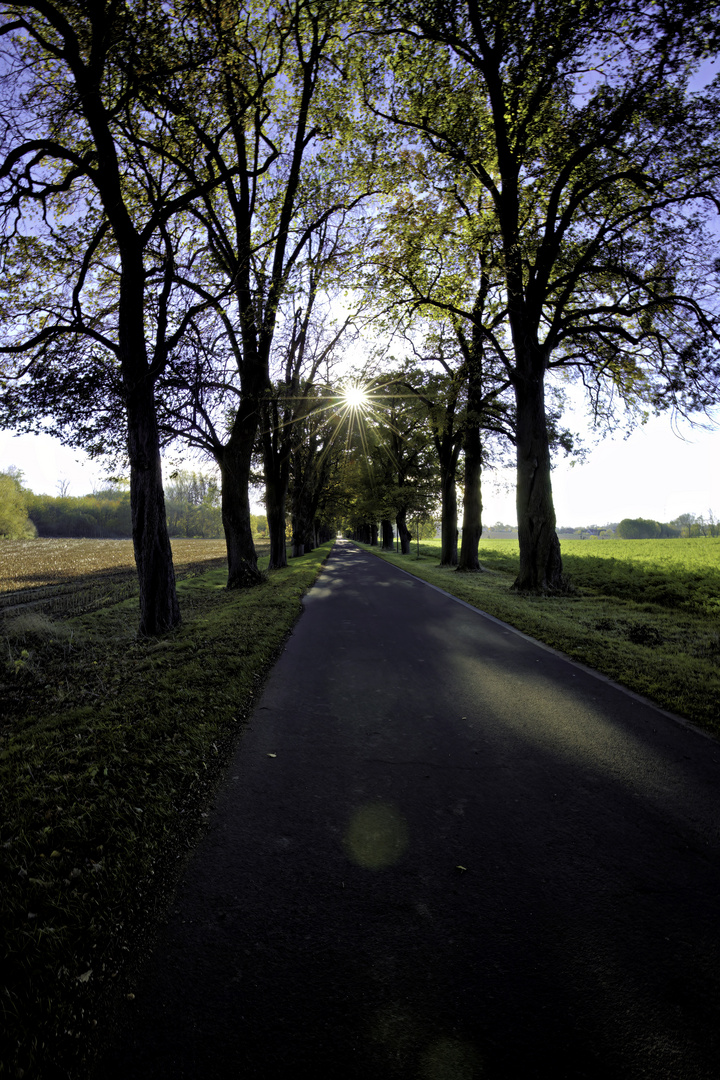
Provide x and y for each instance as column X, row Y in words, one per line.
column 67, row 576
column 48, row 561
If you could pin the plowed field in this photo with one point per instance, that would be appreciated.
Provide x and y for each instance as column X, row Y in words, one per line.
column 66, row 576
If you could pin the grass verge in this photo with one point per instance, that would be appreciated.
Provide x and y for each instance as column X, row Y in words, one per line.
column 110, row 749
column 662, row 642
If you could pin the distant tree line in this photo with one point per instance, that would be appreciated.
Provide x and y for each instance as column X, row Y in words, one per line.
column 687, row 525
column 192, row 505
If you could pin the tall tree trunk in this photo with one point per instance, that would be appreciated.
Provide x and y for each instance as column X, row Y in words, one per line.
column 403, row 532
column 373, row 534
column 277, row 475
column 449, row 520
column 275, row 497
column 472, row 500
column 276, row 470
column 307, row 536
column 540, row 559
column 387, row 534
column 234, row 460
column 159, row 609
column 303, row 531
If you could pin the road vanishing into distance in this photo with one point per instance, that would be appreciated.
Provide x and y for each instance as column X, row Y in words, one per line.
column 442, row 852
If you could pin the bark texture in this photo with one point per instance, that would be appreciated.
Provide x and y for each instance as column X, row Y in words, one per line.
column 387, row 534
column 275, row 499
column 234, row 460
column 276, row 468
column 159, row 609
column 403, row 532
column 472, row 500
column 540, row 559
column 449, row 525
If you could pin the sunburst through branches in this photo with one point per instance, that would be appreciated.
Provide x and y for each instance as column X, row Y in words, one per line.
column 356, row 414
column 355, row 397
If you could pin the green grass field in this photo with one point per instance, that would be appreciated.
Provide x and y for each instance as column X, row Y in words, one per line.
column 644, row 612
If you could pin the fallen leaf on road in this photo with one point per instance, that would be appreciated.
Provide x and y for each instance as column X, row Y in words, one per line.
column 272, row 755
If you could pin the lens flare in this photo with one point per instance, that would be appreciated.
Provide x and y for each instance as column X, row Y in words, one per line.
column 355, row 396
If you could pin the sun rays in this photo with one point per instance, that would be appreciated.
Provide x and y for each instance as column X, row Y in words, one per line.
column 355, row 414
column 355, row 397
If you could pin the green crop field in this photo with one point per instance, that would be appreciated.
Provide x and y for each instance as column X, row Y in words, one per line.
column 669, row 573
column 644, row 612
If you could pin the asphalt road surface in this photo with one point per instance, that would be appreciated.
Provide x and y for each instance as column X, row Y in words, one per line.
column 442, row 852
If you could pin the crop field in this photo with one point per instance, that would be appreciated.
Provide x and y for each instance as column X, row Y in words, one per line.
column 59, row 577
column 678, row 573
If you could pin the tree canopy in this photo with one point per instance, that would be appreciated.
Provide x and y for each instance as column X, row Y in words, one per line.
column 198, row 201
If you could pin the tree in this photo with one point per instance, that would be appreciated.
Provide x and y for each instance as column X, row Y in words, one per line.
column 447, row 433
column 438, row 268
column 638, row 529
column 264, row 131
column 316, row 455
column 307, row 343
column 440, row 395
column 403, row 466
column 74, row 147
column 193, row 505
column 14, row 521
column 592, row 193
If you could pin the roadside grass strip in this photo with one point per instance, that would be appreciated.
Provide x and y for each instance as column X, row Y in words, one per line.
column 110, row 749
column 646, row 613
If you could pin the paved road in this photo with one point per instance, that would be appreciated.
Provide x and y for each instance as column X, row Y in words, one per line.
column 442, row 853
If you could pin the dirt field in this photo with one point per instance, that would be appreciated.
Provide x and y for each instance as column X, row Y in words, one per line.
column 31, row 563
column 67, row 576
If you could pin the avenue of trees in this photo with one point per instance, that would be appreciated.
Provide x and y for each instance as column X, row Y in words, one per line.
column 207, row 207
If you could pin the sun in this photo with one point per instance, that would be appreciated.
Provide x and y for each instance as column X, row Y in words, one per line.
column 354, row 396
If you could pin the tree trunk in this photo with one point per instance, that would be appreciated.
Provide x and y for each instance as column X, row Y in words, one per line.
column 448, row 529
column 275, row 496
column 303, row 534
column 540, row 560
column 387, row 534
column 472, row 500
column 276, row 470
column 159, row 609
column 234, row 461
column 373, row 534
column 403, row 532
